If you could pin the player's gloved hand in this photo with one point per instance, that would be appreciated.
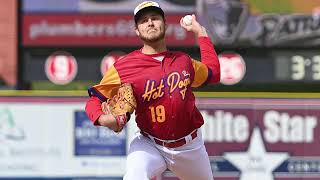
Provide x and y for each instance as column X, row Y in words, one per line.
column 121, row 105
column 121, row 119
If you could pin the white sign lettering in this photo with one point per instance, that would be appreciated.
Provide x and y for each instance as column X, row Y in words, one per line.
column 225, row 127
column 280, row 127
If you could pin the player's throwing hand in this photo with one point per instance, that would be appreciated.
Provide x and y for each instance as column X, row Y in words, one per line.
column 194, row 26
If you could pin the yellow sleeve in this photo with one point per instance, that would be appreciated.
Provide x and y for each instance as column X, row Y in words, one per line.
column 109, row 84
column 200, row 73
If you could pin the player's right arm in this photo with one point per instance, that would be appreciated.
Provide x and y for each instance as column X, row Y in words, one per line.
column 99, row 93
column 207, row 71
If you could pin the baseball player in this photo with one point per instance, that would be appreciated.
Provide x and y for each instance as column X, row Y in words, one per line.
column 162, row 81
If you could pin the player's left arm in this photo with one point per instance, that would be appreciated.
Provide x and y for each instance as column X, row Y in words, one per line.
column 208, row 70
column 99, row 94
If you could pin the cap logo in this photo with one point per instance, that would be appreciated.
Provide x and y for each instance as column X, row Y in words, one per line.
column 144, row 5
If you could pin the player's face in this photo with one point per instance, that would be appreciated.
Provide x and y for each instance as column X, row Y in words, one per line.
column 151, row 27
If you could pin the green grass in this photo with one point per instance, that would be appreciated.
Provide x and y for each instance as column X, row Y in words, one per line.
column 76, row 85
column 43, row 93
column 272, row 6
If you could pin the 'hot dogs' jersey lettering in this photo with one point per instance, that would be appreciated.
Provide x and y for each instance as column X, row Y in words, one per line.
column 174, row 82
column 163, row 90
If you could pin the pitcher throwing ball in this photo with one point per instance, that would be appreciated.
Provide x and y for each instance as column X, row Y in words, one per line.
column 161, row 81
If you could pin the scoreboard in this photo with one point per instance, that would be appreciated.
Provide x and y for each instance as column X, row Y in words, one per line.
column 297, row 66
column 290, row 70
column 282, row 66
column 293, row 70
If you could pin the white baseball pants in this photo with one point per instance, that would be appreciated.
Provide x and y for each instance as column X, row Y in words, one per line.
column 147, row 160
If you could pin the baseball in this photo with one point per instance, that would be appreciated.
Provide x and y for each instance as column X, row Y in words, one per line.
column 187, row 20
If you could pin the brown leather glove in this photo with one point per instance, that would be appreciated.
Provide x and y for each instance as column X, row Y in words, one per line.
column 121, row 106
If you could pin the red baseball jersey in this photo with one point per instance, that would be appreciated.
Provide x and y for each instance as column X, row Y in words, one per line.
column 163, row 88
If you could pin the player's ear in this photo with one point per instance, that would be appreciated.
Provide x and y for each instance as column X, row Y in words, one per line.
column 137, row 31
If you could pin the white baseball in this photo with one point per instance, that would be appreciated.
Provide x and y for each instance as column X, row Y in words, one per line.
column 187, row 20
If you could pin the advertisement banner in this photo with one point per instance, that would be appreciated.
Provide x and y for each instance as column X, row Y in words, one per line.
column 101, row 6
column 246, row 139
column 56, row 139
column 266, row 139
column 93, row 141
column 261, row 23
column 232, row 23
column 94, row 30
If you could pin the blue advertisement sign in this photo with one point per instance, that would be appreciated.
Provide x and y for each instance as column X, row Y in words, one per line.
column 90, row 140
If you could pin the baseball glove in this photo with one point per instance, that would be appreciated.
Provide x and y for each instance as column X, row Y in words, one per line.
column 121, row 105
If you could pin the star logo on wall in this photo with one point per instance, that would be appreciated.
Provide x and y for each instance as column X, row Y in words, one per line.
column 256, row 163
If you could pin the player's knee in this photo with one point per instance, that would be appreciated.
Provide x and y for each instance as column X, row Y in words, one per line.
column 140, row 172
column 136, row 173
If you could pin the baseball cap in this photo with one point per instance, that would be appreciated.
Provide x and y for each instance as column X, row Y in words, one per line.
column 147, row 6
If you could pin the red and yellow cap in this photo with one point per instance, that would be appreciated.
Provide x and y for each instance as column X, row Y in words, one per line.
column 145, row 7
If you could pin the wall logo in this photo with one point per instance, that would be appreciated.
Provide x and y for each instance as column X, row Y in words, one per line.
column 109, row 60
column 225, row 19
column 61, row 68
column 233, row 68
column 9, row 131
column 265, row 139
column 285, row 29
column 230, row 23
column 256, row 163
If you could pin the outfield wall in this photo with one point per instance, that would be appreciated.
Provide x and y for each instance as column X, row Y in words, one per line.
column 247, row 135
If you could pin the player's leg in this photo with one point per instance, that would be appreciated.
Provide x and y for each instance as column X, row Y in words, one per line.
column 190, row 161
column 192, row 164
column 144, row 161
